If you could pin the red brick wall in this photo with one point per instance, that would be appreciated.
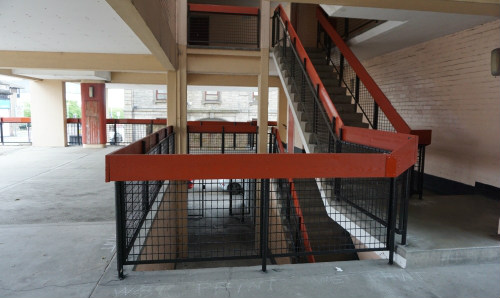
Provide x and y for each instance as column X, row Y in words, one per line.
column 446, row 85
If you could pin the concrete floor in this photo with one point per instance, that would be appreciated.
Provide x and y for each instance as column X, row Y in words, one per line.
column 57, row 240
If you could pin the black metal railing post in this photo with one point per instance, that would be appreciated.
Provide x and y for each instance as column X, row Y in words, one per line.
column 405, row 203
column 356, row 90
column 223, row 141
column 264, row 219
column 391, row 220
column 78, row 126
column 375, row 115
column 187, row 141
column 270, row 150
column 341, row 70
column 115, row 136
column 120, row 226
column 273, row 31
column 28, row 126
column 1, row 131
column 421, row 172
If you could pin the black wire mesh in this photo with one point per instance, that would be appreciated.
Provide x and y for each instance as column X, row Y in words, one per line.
column 74, row 133
column 354, row 87
column 15, row 132
column 318, row 127
column 221, row 143
column 123, row 134
column 223, row 30
column 314, row 217
column 191, row 221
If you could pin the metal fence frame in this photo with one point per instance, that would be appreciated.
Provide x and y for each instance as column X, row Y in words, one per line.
column 20, row 124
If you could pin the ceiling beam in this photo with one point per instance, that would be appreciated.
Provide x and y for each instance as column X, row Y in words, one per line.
column 8, row 72
column 80, row 61
column 127, row 11
column 471, row 7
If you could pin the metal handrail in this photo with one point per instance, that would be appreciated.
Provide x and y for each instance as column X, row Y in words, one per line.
column 315, row 92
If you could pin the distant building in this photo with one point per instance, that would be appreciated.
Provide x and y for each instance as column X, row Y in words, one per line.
column 204, row 103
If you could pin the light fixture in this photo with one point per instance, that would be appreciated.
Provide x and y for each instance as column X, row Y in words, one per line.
column 495, row 62
column 91, row 91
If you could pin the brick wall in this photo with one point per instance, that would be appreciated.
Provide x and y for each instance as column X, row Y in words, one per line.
column 445, row 85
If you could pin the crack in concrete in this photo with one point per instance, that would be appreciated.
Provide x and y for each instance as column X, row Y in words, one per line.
column 46, row 286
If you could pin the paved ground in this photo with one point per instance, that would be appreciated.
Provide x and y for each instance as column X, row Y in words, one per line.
column 57, row 240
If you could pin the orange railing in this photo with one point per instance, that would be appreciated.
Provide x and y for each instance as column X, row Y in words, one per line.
column 311, row 71
column 380, row 98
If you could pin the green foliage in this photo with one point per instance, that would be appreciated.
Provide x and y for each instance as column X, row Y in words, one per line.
column 116, row 113
column 27, row 110
column 73, row 109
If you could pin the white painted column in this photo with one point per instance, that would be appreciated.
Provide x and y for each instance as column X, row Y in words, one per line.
column 48, row 113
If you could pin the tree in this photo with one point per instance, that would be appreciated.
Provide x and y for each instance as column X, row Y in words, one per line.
column 73, row 109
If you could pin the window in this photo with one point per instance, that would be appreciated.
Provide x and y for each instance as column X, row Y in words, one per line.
column 211, row 96
column 161, row 95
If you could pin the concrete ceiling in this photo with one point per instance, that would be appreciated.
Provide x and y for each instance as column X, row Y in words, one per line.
column 405, row 28
column 85, row 26
column 92, row 26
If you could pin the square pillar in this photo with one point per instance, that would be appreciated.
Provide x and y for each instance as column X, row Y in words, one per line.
column 93, row 115
column 48, row 113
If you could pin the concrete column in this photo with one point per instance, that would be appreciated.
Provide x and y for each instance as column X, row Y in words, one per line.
column 263, row 106
column 282, row 114
column 177, row 84
column 48, row 113
column 93, row 114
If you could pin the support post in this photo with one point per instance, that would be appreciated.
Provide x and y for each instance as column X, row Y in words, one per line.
column 264, row 219
column 391, row 220
column 120, row 231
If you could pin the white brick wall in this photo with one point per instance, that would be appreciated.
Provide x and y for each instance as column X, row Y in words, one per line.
column 445, row 85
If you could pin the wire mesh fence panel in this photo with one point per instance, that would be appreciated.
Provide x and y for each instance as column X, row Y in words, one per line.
column 191, row 221
column 13, row 132
column 206, row 29
column 328, row 219
column 123, row 134
column 74, row 133
column 221, row 143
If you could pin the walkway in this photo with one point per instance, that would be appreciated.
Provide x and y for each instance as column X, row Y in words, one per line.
column 57, row 240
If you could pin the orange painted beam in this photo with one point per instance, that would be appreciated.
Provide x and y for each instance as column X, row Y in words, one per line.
column 15, row 119
column 424, row 136
column 137, row 121
column 242, row 10
column 220, row 128
column 375, row 138
column 138, row 167
column 383, row 102
column 73, row 120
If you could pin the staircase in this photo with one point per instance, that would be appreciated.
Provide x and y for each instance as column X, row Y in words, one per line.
column 310, row 114
column 343, row 103
column 324, row 234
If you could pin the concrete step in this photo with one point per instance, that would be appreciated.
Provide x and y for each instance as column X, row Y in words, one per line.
column 356, row 124
column 340, row 99
column 345, row 108
column 448, row 256
column 351, row 117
